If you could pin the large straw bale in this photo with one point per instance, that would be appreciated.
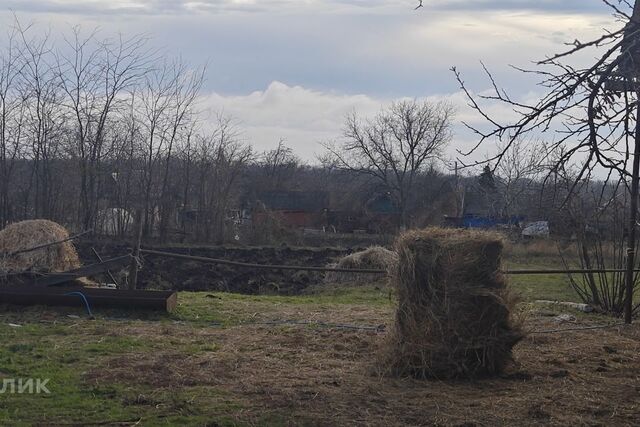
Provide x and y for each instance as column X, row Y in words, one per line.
column 373, row 258
column 455, row 313
column 28, row 234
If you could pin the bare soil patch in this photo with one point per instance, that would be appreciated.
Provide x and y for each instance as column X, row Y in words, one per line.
column 324, row 376
column 167, row 273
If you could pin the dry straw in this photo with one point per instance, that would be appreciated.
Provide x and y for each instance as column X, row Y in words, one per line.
column 373, row 258
column 455, row 313
column 23, row 235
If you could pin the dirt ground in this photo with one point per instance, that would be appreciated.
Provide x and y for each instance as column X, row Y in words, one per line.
column 227, row 359
column 299, row 374
column 167, row 273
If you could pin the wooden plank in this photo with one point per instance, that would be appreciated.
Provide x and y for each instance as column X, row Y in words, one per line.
column 113, row 279
column 89, row 270
column 97, row 297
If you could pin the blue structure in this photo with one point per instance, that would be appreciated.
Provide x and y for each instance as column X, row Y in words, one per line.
column 483, row 222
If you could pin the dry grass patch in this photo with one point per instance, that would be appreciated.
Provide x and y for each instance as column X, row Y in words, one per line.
column 323, row 376
column 373, row 258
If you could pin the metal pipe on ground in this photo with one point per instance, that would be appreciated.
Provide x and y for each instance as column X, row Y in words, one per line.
column 345, row 270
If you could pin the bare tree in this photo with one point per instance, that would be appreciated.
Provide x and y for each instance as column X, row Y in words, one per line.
column 591, row 110
column 12, row 107
column 221, row 159
column 93, row 75
column 395, row 146
column 43, row 122
column 154, row 111
column 280, row 165
column 517, row 175
column 185, row 91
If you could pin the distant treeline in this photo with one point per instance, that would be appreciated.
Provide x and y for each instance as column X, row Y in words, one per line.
column 94, row 130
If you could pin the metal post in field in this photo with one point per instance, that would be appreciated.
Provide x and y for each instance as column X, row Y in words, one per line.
column 137, row 238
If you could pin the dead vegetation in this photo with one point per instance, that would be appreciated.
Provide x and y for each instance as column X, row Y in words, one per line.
column 252, row 373
column 318, row 376
column 373, row 258
column 455, row 313
column 19, row 236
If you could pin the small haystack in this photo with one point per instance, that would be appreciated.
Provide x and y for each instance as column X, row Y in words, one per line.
column 373, row 258
column 455, row 313
column 19, row 236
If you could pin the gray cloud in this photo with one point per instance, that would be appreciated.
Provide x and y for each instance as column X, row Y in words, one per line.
column 576, row 6
column 332, row 55
column 161, row 7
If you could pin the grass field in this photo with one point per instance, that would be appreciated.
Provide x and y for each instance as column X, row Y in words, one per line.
column 225, row 359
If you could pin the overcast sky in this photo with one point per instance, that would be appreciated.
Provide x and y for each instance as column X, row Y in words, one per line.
column 293, row 68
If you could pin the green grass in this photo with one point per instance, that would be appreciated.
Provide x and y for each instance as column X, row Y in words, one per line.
column 64, row 352
column 226, row 309
column 49, row 344
column 554, row 287
column 543, row 287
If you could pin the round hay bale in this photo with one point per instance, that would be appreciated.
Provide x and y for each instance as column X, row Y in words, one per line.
column 23, row 235
column 373, row 258
column 455, row 313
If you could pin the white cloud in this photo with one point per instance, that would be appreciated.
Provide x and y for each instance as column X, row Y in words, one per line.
column 306, row 117
column 355, row 54
column 303, row 117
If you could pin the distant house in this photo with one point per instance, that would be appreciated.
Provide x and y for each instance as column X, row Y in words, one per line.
column 300, row 209
column 479, row 209
column 383, row 216
column 377, row 214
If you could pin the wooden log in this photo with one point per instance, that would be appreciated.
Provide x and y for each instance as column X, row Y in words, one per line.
column 96, row 297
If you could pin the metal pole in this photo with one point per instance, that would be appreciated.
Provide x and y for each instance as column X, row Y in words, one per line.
column 137, row 238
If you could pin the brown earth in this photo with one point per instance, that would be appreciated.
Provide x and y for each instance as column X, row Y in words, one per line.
column 169, row 273
column 324, row 376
